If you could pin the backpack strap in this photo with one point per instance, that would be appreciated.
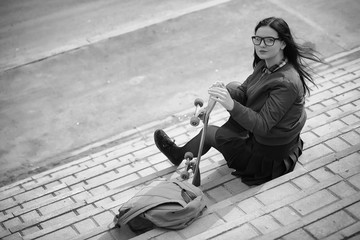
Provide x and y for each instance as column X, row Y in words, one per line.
column 190, row 191
column 186, row 193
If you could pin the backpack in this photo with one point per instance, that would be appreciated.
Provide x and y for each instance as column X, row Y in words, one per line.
column 165, row 204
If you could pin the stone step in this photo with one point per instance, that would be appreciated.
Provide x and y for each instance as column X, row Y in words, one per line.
column 303, row 191
column 300, row 178
column 206, row 186
column 224, row 209
column 269, row 224
column 205, row 169
column 297, row 176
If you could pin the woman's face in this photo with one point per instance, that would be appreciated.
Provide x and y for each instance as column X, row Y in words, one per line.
column 271, row 54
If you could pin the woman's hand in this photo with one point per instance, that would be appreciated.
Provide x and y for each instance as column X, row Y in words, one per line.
column 220, row 94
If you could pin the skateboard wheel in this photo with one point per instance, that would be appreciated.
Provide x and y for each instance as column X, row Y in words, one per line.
column 189, row 155
column 198, row 102
column 194, row 121
column 185, row 175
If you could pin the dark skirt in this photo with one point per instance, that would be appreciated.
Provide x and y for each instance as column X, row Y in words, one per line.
column 253, row 162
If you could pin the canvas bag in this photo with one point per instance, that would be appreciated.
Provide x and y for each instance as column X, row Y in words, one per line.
column 164, row 204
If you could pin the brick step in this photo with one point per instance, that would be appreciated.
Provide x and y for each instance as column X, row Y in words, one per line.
column 300, row 177
column 288, row 216
column 344, row 225
column 64, row 223
column 92, row 184
column 342, row 69
column 209, row 218
column 227, row 180
column 336, row 60
column 272, row 222
column 286, row 199
column 207, row 185
column 338, row 91
column 37, row 202
column 58, row 189
column 89, row 199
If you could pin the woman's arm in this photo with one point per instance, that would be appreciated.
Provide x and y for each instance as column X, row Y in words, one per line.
column 225, row 95
column 281, row 97
column 237, row 91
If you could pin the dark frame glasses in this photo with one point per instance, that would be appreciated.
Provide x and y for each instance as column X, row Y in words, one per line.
column 268, row 41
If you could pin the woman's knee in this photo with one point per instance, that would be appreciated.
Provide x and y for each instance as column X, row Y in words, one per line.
column 211, row 135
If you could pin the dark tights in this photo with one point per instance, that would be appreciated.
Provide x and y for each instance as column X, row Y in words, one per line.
column 193, row 145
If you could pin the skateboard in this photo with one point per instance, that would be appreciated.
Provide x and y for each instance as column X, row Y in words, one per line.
column 191, row 164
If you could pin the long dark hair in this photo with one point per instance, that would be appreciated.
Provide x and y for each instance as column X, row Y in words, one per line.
column 295, row 53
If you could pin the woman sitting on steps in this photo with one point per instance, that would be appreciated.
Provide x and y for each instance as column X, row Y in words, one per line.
column 261, row 139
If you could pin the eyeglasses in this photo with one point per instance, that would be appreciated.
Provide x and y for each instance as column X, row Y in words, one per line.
column 268, row 41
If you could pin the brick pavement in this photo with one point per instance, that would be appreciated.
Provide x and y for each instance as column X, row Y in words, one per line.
column 320, row 199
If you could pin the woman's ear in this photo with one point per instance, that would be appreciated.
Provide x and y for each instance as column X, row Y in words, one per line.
column 283, row 45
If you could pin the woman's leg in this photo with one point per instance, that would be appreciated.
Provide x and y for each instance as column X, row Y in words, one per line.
column 176, row 154
column 194, row 144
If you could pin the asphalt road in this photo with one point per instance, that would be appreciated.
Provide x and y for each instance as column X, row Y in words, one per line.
column 73, row 73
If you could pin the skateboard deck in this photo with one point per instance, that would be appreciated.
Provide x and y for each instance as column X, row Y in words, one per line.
column 194, row 165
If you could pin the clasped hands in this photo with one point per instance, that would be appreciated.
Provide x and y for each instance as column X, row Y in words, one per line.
column 220, row 94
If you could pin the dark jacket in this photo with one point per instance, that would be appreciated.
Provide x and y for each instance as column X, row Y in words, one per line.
column 270, row 105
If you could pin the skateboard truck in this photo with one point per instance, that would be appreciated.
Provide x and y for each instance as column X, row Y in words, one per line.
column 195, row 119
column 189, row 165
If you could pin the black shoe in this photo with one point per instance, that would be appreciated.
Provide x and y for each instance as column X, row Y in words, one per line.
column 167, row 146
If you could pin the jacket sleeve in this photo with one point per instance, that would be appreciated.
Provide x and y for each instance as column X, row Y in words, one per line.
column 281, row 96
column 238, row 91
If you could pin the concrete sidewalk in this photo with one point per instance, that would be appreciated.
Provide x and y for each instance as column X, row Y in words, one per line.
column 320, row 199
